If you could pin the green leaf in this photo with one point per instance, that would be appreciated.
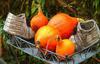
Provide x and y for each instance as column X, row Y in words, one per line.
column 96, row 3
column 34, row 9
column 42, row 3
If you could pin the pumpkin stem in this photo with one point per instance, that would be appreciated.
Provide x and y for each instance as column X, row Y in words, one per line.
column 37, row 44
column 58, row 38
column 81, row 20
column 39, row 9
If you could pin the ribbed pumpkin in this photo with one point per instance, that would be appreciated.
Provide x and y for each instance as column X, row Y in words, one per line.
column 46, row 37
column 38, row 20
column 64, row 23
column 65, row 48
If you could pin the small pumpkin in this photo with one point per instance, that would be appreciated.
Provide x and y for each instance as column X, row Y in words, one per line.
column 45, row 37
column 65, row 48
column 38, row 20
column 64, row 23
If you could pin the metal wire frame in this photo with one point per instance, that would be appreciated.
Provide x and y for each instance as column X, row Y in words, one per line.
column 51, row 57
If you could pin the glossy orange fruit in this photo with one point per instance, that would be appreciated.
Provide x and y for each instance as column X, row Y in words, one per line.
column 64, row 23
column 65, row 48
column 38, row 21
column 46, row 37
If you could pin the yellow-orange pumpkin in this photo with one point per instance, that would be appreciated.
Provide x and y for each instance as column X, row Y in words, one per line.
column 38, row 21
column 46, row 36
column 64, row 23
column 65, row 48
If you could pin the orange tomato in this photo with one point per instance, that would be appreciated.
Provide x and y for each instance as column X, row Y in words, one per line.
column 38, row 21
column 46, row 36
column 64, row 23
column 65, row 48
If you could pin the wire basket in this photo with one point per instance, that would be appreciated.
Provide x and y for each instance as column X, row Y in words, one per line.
column 2, row 61
column 51, row 57
column 87, row 39
column 86, row 48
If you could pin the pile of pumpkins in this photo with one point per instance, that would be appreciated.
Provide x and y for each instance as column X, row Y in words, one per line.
column 54, row 34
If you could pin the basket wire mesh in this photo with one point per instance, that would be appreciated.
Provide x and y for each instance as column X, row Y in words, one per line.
column 51, row 57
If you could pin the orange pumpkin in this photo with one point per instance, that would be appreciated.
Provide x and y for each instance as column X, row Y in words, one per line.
column 38, row 21
column 65, row 48
column 46, row 37
column 64, row 23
